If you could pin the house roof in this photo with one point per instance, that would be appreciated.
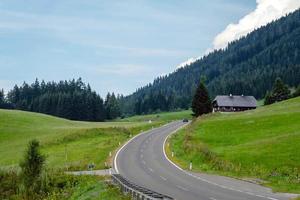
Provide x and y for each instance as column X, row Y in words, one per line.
column 235, row 101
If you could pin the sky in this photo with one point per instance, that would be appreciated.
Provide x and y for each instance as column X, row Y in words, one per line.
column 118, row 45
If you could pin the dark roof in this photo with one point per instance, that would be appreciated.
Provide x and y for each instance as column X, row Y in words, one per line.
column 235, row 101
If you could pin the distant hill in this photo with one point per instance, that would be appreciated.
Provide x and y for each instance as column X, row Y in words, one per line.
column 247, row 66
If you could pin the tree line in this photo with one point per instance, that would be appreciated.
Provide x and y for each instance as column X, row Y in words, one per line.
column 71, row 99
column 247, row 66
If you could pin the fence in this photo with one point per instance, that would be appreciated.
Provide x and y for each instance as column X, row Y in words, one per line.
column 135, row 191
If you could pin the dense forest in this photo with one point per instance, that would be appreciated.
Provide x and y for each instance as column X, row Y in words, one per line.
column 247, row 66
column 68, row 99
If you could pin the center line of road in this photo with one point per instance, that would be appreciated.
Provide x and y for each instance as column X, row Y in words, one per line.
column 142, row 155
column 212, row 198
column 144, row 162
column 163, row 178
column 150, row 169
column 182, row 188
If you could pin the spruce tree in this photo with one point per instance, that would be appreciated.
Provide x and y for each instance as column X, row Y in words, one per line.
column 268, row 98
column 201, row 103
column 2, row 100
column 279, row 92
column 32, row 167
column 297, row 92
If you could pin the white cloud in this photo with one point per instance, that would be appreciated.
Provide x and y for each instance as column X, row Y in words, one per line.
column 265, row 12
column 188, row 62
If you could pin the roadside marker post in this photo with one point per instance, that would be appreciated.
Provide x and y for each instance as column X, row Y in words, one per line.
column 191, row 165
column 110, row 154
column 172, row 154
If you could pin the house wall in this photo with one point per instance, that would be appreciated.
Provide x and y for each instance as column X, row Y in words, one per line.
column 231, row 109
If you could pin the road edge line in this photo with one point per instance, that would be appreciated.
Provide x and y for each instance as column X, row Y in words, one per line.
column 115, row 165
column 164, row 145
column 202, row 179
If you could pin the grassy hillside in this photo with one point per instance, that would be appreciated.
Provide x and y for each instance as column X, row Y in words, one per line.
column 69, row 144
column 84, row 142
column 165, row 116
column 262, row 143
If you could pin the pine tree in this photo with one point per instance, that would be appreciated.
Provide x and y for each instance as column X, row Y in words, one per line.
column 268, row 98
column 32, row 167
column 201, row 102
column 2, row 100
column 297, row 92
column 279, row 92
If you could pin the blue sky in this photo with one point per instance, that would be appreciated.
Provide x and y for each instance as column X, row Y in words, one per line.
column 114, row 45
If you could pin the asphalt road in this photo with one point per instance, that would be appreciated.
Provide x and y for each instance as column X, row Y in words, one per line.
column 143, row 162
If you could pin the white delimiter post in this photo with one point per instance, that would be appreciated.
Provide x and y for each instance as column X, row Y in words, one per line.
column 191, row 165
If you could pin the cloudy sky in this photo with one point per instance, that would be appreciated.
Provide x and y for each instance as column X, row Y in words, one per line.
column 119, row 45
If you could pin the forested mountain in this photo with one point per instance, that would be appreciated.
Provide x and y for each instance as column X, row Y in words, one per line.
column 68, row 99
column 247, row 66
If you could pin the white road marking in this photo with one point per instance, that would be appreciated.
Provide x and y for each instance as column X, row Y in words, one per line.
column 142, row 156
column 163, row 178
column 182, row 188
column 118, row 152
column 144, row 162
column 150, row 169
column 202, row 179
column 212, row 198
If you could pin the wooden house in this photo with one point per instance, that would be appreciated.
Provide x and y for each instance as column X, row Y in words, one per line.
column 233, row 103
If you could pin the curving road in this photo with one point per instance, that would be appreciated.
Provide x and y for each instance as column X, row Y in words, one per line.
column 143, row 162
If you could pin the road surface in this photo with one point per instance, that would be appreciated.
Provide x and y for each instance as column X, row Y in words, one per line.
column 142, row 161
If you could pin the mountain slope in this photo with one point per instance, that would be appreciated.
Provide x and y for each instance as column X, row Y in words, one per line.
column 247, row 66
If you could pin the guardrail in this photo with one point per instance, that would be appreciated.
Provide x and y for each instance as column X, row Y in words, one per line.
column 135, row 191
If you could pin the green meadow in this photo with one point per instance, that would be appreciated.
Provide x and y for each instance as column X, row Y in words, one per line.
column 260, row 145
column 68, row 145
column 164, row 116
column 65, row 143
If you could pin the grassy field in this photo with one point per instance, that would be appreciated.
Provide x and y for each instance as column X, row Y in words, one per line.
column 71, row 144
column 82, row 142
column 165, row 116
column 68, row 145
column 263, row 144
